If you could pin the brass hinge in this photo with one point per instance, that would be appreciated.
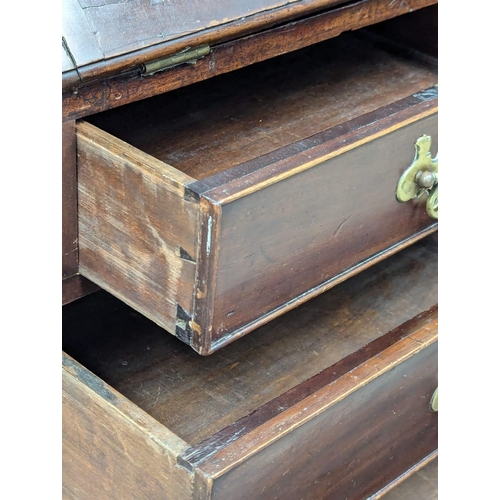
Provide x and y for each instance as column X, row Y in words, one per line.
column 188, row 55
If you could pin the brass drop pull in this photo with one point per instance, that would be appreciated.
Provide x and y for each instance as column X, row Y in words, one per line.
column 434, row 401
column 421, row 177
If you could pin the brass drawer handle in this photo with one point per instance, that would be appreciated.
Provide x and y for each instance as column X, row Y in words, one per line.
column 421, row 177
column 434, row 401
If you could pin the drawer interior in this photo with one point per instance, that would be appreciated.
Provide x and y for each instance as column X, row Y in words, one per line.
column 212, row 126
column 196, row 397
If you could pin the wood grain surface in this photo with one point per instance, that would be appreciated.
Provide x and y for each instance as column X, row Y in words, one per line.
column 129, row 86
column 69, row 202
column 138, row 234
column 284, row 240
column 111, row 448
column 115, row 35
column 196, row 397
column 212, row 126
column 305, row 177
column 423, row 483
column 349, row 428
column 353, row 444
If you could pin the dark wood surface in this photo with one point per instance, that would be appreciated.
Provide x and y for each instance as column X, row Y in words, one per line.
column 419, row 30
column 162, row 375
column 305, row 177
column 75, row 287
column 108, row 37
column 349, row 428
column 99, row 95
column 212, row 126
column 69, row 202
column 422, row 484
column 351, row 449
column 303, row 232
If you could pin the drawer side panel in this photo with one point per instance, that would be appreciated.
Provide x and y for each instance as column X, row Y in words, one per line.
column 138, row 233
column 298, row 234
column 111, row 449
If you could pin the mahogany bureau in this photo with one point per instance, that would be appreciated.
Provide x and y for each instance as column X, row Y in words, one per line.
column 224, row 167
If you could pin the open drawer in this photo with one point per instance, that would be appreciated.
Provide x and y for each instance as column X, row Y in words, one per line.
column 331, row 400
column 216, row 207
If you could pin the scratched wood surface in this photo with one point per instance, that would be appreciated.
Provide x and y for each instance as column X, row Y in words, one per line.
column 138, row 234
column 104, row 36
column 111, row 449
column 129, row 86
column 289, row 208
column 423, row 484
column 364, row 429
column 331, row 391
column 293, row 97
column 195, row 396
column 69, row 204
column 270, row 252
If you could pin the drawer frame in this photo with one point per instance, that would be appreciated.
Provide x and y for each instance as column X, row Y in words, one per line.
column 333, row 423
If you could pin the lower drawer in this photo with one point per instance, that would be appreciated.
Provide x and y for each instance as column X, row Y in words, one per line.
column 328, row 401
column 215, row 208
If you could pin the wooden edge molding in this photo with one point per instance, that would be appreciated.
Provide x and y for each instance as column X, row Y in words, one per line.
column 248, row 436
column 210, row 35
column 208, row 254
column 320, row 401
column 84, row 94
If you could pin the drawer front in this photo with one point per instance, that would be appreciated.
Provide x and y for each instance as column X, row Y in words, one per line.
column 352, row 449
column 297, row 237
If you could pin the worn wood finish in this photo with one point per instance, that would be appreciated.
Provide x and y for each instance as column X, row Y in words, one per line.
column 293, row 98
column 363, row 430
column 79, row 42
column 161, row 374
column 101, row 95
column 298, row 186
column 351, row 419
column 69, row 202
column 266, row 245
column 76, row 287
column 138, row 233
column 422, row 483
column 118, row 35
column 111, row 448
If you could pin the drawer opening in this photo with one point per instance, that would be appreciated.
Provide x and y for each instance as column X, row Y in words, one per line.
column 212, row 126
column 197, row 397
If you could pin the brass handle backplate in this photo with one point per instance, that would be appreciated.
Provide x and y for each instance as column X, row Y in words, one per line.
column 421, row 177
